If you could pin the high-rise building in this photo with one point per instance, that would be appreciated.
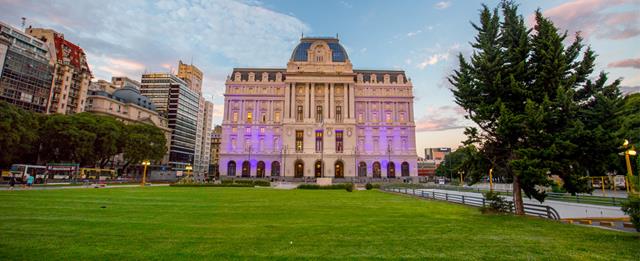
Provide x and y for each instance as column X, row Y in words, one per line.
column 25, row 73
column 175, row 101
column 215, row 151
column 205, row 155
column 71, row 72
column 318, row 118
column 191, row 75
column 436, row 154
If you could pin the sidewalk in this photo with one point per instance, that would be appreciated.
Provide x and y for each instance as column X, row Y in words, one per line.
column 17, row 188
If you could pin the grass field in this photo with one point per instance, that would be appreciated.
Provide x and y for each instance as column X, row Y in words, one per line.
column 246, row 223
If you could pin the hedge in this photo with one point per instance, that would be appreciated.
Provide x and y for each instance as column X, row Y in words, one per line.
column 334, row 186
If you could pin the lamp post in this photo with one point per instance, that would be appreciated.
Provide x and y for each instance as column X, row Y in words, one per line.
column 627, row 153
column 188, row 168
column 491, row 179
column 145, row 163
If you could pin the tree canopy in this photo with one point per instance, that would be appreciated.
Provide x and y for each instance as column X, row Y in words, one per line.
column 537, row 108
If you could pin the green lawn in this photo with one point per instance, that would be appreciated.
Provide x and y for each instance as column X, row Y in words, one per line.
column 247, row 223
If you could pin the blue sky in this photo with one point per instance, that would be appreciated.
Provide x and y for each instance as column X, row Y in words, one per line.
column 129, row 37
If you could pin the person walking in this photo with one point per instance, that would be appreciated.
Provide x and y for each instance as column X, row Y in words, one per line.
column 30, row 179
column 12, row 181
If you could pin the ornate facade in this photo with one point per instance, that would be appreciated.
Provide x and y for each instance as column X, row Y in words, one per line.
column 318, row 118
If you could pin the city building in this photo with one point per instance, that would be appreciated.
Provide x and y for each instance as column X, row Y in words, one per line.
column 427, row 167
column 121, row 81
column 25, row 73
column 191, row 75
column 205, row 156
column 318, row 117
column 179, row 105
column 436, row 154
column 71, row 75
column 129, row 106
column 215, row 151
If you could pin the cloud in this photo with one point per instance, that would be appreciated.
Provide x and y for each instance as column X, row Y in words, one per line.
column 130, row 36
column 627, row 90
column 633, row 63
column 605, row 19
column 346, row 4
column 414, row 33
column 443, row 5
column 441, row 118
column 435, row 58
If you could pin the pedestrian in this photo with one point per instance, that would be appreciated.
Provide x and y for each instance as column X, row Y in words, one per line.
column 30, row 181
column 12, row 181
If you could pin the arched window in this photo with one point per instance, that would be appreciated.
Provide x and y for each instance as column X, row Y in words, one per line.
column 339, row 169
column 362, row 169
column 246, row 169
column 299, row 169
column 275, row 169
column 260, row 169
column 231, row 168
column 377, row 172
column 404, row 168
column 391, row 170
column 317, row 169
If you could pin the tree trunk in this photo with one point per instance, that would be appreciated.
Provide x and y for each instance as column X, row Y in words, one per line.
column 517, row 196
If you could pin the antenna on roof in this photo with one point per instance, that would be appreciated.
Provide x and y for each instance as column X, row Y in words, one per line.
column 337, row 36
column 24, row 22
column 302, row 35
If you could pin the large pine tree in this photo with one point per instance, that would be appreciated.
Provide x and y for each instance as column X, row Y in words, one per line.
column 537, row 112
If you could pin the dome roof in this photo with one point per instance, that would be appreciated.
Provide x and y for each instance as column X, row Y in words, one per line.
column 338, row 53
column 130, row 94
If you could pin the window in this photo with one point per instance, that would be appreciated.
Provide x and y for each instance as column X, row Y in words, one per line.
column 231, row 168
column 277, row 116
column 299, row 140
column 388, row 118
column 404, row 144
column 247, row 130
column 339, row 113
column 376, row 144
column 233, row 144
column 249, row 116
column 299, row 114
column 319, row 117
column 389, row 145
column 261, row 147
column 360, row 117
column 276, row 146
column 264, row 117
column 339, row 141
column 247, row 145
column 402, row 117
column 261, row 130
column 235, row 117
column 375, row 117
column 319, row 134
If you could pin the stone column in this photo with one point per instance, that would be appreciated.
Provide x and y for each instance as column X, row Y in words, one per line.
column 352, row 100
column 325, row 109
column 305, row 103
column 332, row 100
column 286, row 100
column 313, row 101
column 410, row 112
column 344, row 102
column 241, row 116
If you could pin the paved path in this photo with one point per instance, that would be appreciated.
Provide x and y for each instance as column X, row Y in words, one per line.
column 565, row 209
column 77, row 187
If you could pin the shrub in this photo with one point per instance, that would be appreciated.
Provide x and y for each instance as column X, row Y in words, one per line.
column 244, row 181
column 262, row 183
column 349, row 187
column 212, row 185
column 497, row 204
column 557, row 188
column 632, row 208
column 226, row 181
column 368, row 186
column 333, row 186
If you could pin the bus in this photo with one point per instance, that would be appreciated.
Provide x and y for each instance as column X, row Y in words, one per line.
column 99, row 174
column 21, row 170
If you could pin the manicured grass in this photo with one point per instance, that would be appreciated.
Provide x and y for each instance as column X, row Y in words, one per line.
column 260, row 223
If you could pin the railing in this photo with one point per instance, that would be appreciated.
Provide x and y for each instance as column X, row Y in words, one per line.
column 529, row 209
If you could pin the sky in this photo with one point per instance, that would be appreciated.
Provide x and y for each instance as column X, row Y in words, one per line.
column 130, row 37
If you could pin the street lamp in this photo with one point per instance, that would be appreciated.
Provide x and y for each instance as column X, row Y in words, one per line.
column 628, row 152
column 145, row 163
column 188, row 168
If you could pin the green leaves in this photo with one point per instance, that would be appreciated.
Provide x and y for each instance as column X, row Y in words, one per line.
column 537, row 112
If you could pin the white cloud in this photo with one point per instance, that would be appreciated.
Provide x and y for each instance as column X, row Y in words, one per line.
column 443, row 4
column 433, row 59
column 414, row 33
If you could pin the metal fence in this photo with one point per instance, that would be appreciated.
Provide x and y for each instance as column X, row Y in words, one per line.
column 529, row 209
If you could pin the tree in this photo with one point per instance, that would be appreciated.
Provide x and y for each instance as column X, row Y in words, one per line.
column 142, row 142
column 68, row 139
column 19, row 137
column 108, row 133
column 536, row 110
column 465, row 160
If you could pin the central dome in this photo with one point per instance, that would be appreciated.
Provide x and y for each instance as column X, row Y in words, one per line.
column 301, row 52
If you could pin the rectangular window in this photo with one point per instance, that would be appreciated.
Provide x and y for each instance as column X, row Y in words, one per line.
column 319, row 117
column 299, row 140
column 277, row 116
column 264, row 117
column 249, row 116
column 247, row 130
column 261, row 130
column 299, row 114
column 235, row 117
column 388, row 118
column 338, row 113
column 402, row 117
column 319, row 134
column 339, row 141
column 374, row 117
column 360, row 117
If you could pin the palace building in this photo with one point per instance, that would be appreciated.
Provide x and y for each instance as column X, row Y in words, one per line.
column 318, row 117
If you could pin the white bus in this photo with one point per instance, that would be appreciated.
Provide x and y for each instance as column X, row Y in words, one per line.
column 22, row 170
